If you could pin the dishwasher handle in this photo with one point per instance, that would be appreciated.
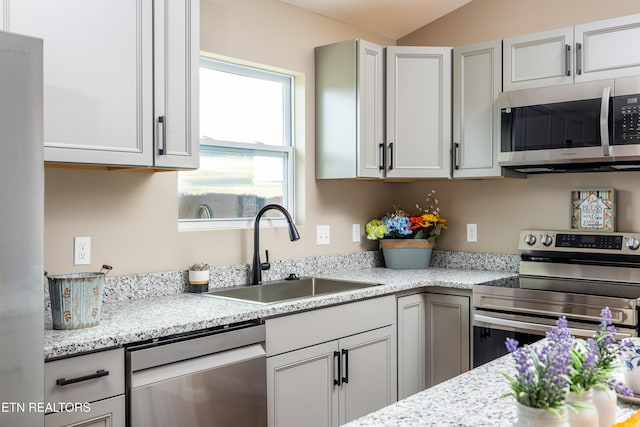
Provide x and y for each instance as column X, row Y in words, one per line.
column 196, row 365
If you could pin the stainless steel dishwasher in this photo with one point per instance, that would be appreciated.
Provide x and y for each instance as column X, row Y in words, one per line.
column 210, row 378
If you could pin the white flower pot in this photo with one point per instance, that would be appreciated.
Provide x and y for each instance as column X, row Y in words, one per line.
column 536, row 417
column 199, row 277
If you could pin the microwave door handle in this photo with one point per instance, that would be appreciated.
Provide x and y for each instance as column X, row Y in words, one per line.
column 604, row 121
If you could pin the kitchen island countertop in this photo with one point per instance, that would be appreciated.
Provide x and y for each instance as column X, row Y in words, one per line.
column 471, row 399
column 137, row 320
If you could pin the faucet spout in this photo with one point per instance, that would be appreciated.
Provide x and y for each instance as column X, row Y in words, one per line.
column 257, row 266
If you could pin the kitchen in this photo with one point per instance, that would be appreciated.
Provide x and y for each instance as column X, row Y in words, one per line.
column 131, row 217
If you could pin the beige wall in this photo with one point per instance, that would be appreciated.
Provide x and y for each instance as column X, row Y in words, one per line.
column 132, row 216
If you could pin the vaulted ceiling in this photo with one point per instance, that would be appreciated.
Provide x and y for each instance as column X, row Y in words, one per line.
column 390, row 18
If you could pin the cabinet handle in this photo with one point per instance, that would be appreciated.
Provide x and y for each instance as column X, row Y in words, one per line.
column 63, row 381
column 336, row 356
column 162, row 121
column 381, row 162
column 345, row 354
column 456, row 153
column 390, row 155
column 567, row 60
column 578, row 59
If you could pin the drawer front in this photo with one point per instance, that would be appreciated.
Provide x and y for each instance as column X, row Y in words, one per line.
column 106, row 413
column 300, row 330
column 85, row 378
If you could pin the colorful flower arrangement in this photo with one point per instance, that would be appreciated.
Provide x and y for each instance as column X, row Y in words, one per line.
column 425, row 224
column 545, row 373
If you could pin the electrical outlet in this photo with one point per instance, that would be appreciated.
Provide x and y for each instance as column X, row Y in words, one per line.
column 323, row 233
column 81, row 250
column 355, row 233
column 472, row 232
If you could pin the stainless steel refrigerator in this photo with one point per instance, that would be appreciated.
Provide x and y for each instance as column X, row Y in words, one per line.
column 21, row 231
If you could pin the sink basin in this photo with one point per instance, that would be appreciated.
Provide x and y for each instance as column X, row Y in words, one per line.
column 284, row 290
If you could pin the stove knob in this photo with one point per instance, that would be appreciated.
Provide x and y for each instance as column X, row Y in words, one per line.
column 633, row 243
column 546, row 240
column 530, row 239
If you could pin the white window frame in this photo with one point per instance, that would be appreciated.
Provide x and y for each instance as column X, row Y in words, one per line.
column 289, row 196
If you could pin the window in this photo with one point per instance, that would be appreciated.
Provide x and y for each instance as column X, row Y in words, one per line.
column 246, row 148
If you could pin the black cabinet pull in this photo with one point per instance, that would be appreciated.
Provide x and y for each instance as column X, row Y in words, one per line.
column 456, row 153
column 381, row 161
column 391, row 156
column 567, row 60
column 336, row 356
column 162, row 121
column 345, row 354
column 63, row 381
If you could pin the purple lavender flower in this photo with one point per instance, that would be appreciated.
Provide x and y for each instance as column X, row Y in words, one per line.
column 542, row 370
column 511, row 345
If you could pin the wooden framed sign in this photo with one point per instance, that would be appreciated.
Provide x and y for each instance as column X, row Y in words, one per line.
column 593, row 209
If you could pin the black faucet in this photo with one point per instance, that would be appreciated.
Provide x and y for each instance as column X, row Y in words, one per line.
column 257, row 267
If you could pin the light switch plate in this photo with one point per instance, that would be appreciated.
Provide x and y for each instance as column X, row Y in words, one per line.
column 472, row 232
column 355, row 233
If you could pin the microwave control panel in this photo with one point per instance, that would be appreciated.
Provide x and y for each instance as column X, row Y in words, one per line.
column 626, row 119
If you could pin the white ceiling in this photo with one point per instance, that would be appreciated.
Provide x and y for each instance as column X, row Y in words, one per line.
column 390, row 18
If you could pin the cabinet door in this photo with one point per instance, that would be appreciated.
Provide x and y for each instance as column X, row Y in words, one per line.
column 477, row 81
column 448, row 335
column 349, row 110
column 412, row 346
column 368, row 373
column 301, row 389
column 105, row 413
column 540, row 59
column 370, row 116
column 97, row 77
column 418, row 112
column 176, row 70
column 605, row 49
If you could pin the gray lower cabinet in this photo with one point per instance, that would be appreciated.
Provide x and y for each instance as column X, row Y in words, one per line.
column 332, row 381
column 434, row 333
column 90, row 389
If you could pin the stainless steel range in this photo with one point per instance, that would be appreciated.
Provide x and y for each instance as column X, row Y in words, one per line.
column 572, row 274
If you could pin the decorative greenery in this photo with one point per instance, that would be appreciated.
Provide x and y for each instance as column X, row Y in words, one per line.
column 545, row 373
column 595, row 359
column 542, row 371
column 425, row 224
column 199, row 267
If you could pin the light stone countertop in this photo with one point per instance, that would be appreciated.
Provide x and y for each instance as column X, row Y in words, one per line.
column 471, row 399
column 125, row 322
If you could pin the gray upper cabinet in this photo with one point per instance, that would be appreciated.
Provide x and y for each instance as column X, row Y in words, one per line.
column 536, row 60
column 608, row 48
column 477, row 81
column 593, row 51
column 377, row 119
column 103, row 92
column 418, row 112
column 349, row 110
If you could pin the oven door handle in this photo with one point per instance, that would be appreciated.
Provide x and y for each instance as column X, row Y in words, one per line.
column 488, row 321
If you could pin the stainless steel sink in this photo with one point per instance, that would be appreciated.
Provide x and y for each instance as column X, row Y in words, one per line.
column 284, row 290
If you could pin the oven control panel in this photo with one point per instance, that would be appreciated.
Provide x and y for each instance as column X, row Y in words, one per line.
column 544, row 240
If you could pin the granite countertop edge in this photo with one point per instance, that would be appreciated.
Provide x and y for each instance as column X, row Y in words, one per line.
column 127, row 322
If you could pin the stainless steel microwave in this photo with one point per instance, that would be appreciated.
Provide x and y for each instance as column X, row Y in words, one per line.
column 592, row 126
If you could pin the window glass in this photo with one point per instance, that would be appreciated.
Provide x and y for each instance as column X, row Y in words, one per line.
column 246, row 155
